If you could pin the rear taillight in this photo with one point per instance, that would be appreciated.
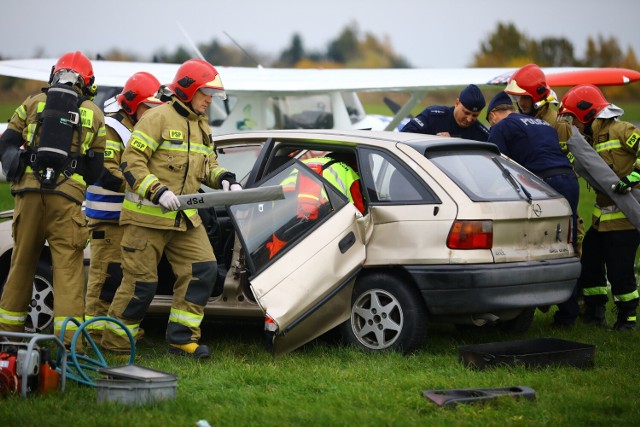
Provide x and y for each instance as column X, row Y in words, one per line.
column 471, row 235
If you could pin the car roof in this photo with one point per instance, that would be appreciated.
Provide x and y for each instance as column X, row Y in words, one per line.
column 422, row 143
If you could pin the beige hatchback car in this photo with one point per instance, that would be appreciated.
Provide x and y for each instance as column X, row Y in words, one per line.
column 452, row 232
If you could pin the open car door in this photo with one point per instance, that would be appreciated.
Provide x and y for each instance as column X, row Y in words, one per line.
column 302, row 258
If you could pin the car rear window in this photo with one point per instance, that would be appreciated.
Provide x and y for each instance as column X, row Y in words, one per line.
column 483, row 176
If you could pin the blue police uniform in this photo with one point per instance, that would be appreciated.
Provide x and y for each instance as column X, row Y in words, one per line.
column 534, row 144
column 438, row 118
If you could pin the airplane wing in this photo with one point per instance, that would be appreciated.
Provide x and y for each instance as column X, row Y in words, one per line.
column 295, row 81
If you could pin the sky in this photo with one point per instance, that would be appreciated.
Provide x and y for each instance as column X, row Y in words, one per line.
column 427, row 33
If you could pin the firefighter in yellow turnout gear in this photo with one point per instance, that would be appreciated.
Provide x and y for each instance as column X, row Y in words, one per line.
column 170, row 152
column 48, row 205
column 611, row 243
column 105, row 197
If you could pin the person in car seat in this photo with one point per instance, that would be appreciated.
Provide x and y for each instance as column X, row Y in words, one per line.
column 335, row 169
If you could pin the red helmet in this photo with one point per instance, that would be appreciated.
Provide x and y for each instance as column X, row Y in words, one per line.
column 196, row 74
column 140, row 88
column 78, row 63
column 584, row 102
column 529, row 80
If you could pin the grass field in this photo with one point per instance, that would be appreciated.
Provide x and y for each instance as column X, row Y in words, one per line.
column 326, row 384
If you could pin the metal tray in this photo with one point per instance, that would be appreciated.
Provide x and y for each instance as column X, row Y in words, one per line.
column 534, row 353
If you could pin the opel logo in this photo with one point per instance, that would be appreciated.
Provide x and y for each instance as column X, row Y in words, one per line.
column 537, row 209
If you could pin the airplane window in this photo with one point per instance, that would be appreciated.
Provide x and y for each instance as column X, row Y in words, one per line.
column 219, row 110
column 302, row 112
column 354, row 106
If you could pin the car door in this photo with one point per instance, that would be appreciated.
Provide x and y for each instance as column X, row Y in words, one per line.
column 302, row 266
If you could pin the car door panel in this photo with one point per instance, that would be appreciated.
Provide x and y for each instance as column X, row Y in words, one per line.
column 304, row 286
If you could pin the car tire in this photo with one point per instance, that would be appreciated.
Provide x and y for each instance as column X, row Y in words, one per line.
column 386, row 314
column 40, row 311
column 519, row 324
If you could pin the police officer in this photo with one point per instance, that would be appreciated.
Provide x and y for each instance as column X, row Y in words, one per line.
column 170, row 152
column 610, row 245
column 461, row 120
column 64, row 149
column 533, row 143
column 104, row 198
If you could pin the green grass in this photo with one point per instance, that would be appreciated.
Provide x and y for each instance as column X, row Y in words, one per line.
column 327, row 384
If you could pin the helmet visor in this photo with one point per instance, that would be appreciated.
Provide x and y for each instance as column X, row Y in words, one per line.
column 68, row 77
column 211, row 91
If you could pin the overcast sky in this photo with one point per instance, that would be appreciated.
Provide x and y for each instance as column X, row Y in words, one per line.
column 442, row 33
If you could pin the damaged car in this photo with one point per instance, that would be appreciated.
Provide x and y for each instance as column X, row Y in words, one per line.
column 451, row 231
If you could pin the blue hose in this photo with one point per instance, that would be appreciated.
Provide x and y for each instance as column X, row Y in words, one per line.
column 77, row 363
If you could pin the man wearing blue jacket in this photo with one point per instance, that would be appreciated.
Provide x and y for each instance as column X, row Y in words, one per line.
column 533, row 143
column 461, row 120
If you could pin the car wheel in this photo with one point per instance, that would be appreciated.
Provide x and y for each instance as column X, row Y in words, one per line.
column 40, row 312
column 519, row 324
column 385, row 314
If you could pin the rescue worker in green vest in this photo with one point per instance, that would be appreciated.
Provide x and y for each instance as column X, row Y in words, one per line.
column 170, row 152
column 51, row 150
column 336, row 169
column 610, row 244
column 105, row 197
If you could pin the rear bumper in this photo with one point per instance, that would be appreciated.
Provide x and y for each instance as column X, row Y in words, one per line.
column 482, row 288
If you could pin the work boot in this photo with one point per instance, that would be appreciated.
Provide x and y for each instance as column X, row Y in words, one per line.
column 626, row 320
column 192, row 349
column 594, row 315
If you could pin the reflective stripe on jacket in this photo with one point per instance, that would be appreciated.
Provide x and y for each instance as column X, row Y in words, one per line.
column 617, row 142
column 170, row 147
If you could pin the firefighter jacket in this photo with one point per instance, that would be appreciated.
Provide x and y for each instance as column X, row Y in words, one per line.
column 171, row 148
column 92, row 137
column 105, row 197
column 617, row 142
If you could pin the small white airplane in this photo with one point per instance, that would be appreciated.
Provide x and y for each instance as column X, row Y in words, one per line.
column 284, row 98
column 278, row 98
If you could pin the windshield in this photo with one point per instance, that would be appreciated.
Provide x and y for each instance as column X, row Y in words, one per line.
column 485, row 176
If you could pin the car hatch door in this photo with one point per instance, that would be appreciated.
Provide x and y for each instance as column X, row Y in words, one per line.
column 302, row 263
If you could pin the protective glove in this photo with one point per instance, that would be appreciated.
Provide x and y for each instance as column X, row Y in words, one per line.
column 625, row 184
column 169, row 201
column 228, row 186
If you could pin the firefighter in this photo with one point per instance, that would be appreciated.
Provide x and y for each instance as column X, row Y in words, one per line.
column 170, row 152
column 461, row 120
column 611, row 243
column 104, row 198
column 53, row 146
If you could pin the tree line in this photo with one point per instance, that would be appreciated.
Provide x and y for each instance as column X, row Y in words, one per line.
column 506, row 46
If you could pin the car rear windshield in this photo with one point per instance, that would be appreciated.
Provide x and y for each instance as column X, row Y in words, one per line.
column 484, row 175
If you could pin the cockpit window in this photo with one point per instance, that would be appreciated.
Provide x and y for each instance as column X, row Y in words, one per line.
column 301, row 112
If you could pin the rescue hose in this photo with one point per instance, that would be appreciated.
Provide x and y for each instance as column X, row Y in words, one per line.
column 77, row 363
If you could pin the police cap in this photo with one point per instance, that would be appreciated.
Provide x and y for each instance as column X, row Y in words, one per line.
column 500, row 99
column 472, row 99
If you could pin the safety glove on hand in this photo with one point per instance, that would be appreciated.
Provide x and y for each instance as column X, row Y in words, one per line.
column 625, row 184
column 169, row 201
column 230, row 186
